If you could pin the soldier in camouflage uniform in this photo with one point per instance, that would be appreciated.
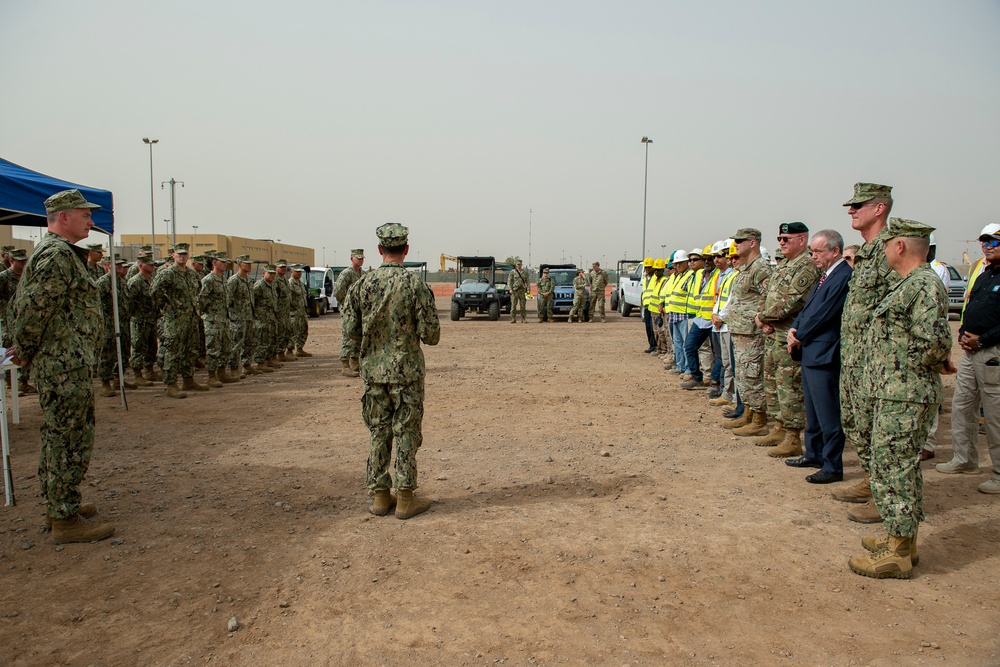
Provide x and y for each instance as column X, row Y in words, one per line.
column 787, row 291
column 300, row 318
column 9, row 280
column 284, row 311
column 598, row 280
column 95, row 253
column 746, row 299
column 518, row 283
column 909, row 346
column 546, row 293
column 144, row 251
column 5, row 256
column 199, row 266
column 872, row 278
column 108, row 361
column 57, row 329
column 579, row 296
column 348, row 348
column 213, row 304
column 143, row 314
column 239, row 292
column 175, row 293
column 265, row 311
column 390, row 312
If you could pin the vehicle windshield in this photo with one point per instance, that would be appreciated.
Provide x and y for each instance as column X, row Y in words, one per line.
column 953, row 272
column 562, row 278
column 316, row 279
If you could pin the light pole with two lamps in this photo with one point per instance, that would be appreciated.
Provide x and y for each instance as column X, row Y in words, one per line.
column 645, row 181
column 152, row 214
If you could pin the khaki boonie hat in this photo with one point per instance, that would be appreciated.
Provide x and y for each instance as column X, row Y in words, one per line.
column 65, row 200
column 867, row 191
column 392, row 235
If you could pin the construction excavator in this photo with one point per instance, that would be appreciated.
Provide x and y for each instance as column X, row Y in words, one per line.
column 448, row 258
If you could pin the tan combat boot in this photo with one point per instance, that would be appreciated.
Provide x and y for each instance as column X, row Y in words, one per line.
column 773, row 438
column 213, row 380
column 757, row 425
column 23, row 387
column 263, row 367
column 790, row 445
column 106, row 389
column 302, row 353
column 140, row 381
column 867, row 513
column 738, row 421
column 281, row 357
column 382, row 502
column 274, row 362
column 856, row 493
column 224, row 377
column 407, row 505
column 875, row 544
column 191, row 385
column 721, row 402
column 356, row 364
column 129, row 384
column 345, row 369
column 199, row 363
column 174, row 392
column 78, row 529
column 152, row 375
column 892, row 562
column 86, row 510
column 290, row 356
column 250, row 370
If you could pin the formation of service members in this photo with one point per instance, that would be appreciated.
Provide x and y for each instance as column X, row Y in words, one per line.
column 890, row 343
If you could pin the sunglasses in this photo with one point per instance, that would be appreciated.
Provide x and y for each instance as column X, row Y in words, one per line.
column 785, row 239
column 738, row 240
column 855, row 207
column 993, row 243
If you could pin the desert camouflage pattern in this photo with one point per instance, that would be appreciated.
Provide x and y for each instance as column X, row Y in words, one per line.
column 545, row 284
column 746, row 297
column 598, row 281
column 579, row 296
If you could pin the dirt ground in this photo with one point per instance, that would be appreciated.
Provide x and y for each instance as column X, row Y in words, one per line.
column 573, row 523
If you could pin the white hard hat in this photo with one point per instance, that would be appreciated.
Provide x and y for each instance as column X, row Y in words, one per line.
column 933, row 242
column 679, row 256
column 989, row 230
column 765, row 253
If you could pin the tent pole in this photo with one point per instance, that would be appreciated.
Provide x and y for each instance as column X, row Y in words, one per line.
column 118, row 328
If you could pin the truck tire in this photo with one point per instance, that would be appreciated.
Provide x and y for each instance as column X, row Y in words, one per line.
column 456, row 311
column 323, row 307
column 614, row 300
column 494, row 313
column 626, row 308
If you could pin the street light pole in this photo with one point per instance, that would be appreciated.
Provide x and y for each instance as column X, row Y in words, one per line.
column 152, row 214
column 645, row 181
column 173, row 209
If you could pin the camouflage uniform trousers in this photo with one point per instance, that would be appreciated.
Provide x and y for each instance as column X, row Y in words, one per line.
column 241, row 343
column 597, row 303
column 108, row 361
column 749, row 352
column 348, row 348
column 545, row 308
column 857, row 405
column 783, row 382
column 143, row 336
column 393, row 412
column 579, row 299
column 180, row 348
column 518, row 301
column 284, row 338
column 202, row 348
column 263, row 348
column 218, row 350
column 899, row 429
column 664, row 343
column 300, row 331
column 67, row 405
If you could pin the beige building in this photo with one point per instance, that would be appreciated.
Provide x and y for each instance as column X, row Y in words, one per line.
column 7, row 238
column 264, row 250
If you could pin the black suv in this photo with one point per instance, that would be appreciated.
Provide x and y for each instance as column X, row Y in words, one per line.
column 477, row 291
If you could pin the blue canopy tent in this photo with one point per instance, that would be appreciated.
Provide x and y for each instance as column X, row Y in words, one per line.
column 22, row 202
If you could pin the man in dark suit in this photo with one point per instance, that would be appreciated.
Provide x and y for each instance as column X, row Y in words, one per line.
column 815, row 335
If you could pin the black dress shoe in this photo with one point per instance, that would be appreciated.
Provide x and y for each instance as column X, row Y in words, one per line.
column 733, row 414
column 803, row 462
column 825, row 477
column 650, row 349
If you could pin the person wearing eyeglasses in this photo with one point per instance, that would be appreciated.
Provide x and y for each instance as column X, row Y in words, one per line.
column 787, row 291
column 872, row 278
column 849, row 253
column 978, row 378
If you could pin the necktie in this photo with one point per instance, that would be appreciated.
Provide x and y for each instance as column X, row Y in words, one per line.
column 821, row 279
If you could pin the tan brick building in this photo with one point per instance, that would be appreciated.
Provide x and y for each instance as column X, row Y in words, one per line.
column 264, row 250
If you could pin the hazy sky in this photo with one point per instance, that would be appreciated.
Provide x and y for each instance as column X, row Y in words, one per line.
column 314, row 122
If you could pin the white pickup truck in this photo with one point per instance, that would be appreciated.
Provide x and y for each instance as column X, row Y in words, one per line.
column 626, row 296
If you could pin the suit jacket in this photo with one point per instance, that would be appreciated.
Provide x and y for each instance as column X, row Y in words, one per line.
column 818, row 323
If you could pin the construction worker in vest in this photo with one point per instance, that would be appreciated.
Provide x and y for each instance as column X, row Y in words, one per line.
column 647, row 319
column 650, row 296
column 660, row 316
column 665, row 345
column 978, row 267
column 677, row 310
column 699, row 332
column 710, row 295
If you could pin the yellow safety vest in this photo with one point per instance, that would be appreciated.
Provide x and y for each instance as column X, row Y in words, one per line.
column 727, row 285
column 663, row 292
column 649, row 293
column 677, row 301
column 973, row 274
column 707, row 297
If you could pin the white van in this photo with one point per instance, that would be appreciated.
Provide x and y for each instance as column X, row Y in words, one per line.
column 319, row 289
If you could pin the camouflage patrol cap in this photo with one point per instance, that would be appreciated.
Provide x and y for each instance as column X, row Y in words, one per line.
column 280, row 263
column 220, row 255
column 545, row 271
column 145, row 259
column 19, row 254
column 146, row 248
column 358, row 252
column 67, row 199
column 392, row 235
column 243, row 258
column 517, row 260
column 867, row 191
column 198, row 258
column 296, row 267
column 746, row 233
column 596, row 263
column 144, row 253
column 6, row 248
column 210, row 253
column 270, row 268
column 120, row 261
column 909, row 229
column 106, row 259
column 95, row 247
column 793, row 228
column 181, row 248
